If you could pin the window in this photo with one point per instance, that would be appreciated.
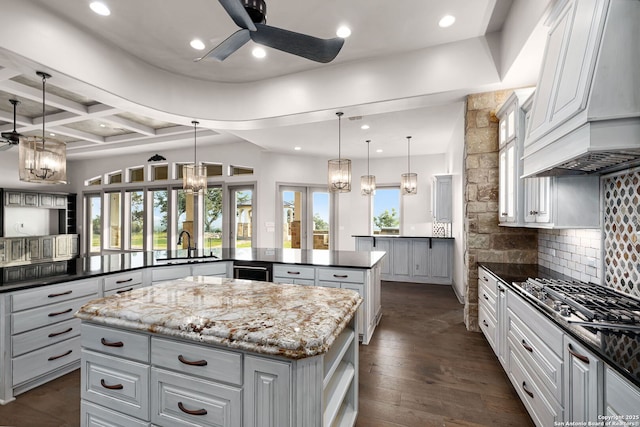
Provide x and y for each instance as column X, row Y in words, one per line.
column 240, row 170
column 386, row 210
column 136, row 219
column 321, row 219
column 115, row 178
column 160, row 219
column 94, row 229
column 213, row 169
column 114, row 221
column 93, row 181
column 242, row 212
column 213, row 218
column 160, row 172
column 136, row 174
column 184, row 215
column 179, row 170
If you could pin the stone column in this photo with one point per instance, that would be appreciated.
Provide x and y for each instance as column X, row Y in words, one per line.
column 484, row 240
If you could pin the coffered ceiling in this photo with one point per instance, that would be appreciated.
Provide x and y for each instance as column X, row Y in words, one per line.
column 129, row 82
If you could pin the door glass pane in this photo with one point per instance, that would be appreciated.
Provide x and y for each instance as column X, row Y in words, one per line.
column 213, row 218
column 136, row 225
column 320, row 204
column 159, row 218
column 95, row 223
column 244, row 213
column 292, row 222
column 386, row 211
column 114, row 220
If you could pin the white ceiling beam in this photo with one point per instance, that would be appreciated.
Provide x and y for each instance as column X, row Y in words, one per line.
column 57, row 119
column 74, row 133
column 21, row 121
column 101, row 110
column 7, row 73
column 36, row 95
column 130, row 125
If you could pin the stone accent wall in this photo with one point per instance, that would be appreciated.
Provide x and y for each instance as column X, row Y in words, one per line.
column 484, row 240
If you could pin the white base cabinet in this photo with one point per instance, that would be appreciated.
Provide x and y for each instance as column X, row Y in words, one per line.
column 136, row 379
column 621, row 400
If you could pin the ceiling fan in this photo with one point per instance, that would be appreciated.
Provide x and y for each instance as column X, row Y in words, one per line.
column 250, row 16
column 11, row 138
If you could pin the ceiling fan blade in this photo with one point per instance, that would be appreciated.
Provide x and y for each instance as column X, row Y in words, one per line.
column 234, row 42
column 313, row 48
column 237, row 12
column 6, row 147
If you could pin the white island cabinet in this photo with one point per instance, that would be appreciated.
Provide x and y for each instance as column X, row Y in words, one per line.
column 211, row 351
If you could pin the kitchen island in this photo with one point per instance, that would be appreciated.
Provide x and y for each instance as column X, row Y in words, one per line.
column 219, row 351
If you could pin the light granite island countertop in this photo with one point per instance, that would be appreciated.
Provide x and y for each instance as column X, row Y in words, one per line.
column 220, row 351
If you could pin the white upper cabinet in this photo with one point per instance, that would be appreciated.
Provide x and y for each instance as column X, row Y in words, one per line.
column 442, row 194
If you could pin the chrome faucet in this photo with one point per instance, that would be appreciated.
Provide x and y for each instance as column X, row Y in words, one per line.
column 189, row 248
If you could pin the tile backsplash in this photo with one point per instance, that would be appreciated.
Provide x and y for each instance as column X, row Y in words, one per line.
column 575, row 253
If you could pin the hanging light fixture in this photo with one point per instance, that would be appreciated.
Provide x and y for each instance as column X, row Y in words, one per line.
column 42, row 160
column 194, row 177
column 368, row 182
column 339, row 169
column 409, row 180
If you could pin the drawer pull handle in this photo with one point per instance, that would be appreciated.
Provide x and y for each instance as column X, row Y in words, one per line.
column 52, row 358
column 124, row 281
column 584, row 358
column 68, row 310
column 527, row 346
column 192, row 362
column 111, row 387
column 122, row 291
column 60, row 294
column 55, row 334
column 484, row 322
column 293, row 272
column 485, row 297
column 111, row 343
column 190, row 412
column 340, row 276
column 524, row 387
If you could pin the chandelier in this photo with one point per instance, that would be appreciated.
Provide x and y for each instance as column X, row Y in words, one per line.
column 368, row 182
column 409, row 180
column 339, row 175
column 42, row 160
column 194, row 177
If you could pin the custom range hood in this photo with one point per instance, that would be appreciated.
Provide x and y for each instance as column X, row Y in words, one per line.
column 585, row 116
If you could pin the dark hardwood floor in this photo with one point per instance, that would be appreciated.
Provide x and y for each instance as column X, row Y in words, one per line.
column 422, row 368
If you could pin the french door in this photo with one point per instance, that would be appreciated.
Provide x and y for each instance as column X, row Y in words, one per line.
column 305, row 217
column 241, row 218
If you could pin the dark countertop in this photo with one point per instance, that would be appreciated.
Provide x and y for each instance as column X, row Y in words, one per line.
column 399, row 236
column 99, row 265
column 619, row 348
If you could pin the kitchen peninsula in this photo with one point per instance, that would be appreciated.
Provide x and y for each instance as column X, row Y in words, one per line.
column 210, row 350
column 42, row 339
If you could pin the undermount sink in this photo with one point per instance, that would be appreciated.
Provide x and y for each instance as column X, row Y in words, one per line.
column 185, row 260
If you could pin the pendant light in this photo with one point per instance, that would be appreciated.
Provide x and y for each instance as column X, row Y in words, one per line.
column 194, row 177
column 409, row 180
column 339, row 169
column 42, row 160
column 368, row 182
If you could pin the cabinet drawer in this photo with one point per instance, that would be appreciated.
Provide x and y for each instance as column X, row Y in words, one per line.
column 39, row 362
column 487, row 299
column 117, row 342
column 121, row 385
column 539, row 325
column 489, row 282
column 293, row 272
column 193, row 359
column 122, row 290
column 117, row 281
column 352, row 276
column 51, row 294
column 543, row 410
column 535, row 354
column 621, row 397
column 210, row 269
column 169, row 273
column 92, row 415
column 42, row 337
column 179, row 400
column 488, row 326
column 43, row 316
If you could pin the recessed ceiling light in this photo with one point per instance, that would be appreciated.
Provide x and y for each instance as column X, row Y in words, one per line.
column 197, row 44
column 102, row 125
column 379, row 150
column 447, row 21
column 52, row 134
column 297, row 148
column 259, row 52
column 364, row 127
column 100, row 8
column 343, row 31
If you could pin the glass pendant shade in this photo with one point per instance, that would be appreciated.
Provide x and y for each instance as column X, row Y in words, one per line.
column 42, row 160
column 409, row 180
column 194, row 177
column 339, row 170
column 367, row 182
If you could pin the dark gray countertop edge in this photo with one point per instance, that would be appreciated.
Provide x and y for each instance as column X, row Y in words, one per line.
column 394, row 236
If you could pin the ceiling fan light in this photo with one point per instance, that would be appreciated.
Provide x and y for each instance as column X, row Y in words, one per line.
column 100, row 8
column 197, row 44
column 258, row 52
column 343, row 31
